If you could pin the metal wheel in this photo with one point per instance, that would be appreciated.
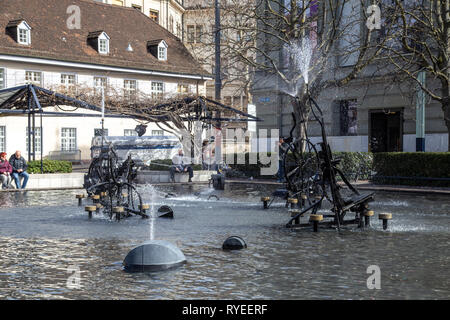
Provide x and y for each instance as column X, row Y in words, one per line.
column 302, row 170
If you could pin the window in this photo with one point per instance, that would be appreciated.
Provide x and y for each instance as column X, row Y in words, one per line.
column 171, row 24
column 100, row 82
column 129, row 133
column 348, row 118
column 157, row 132
column 33, row 77
column 198, row 33
column 157, row 90
column 118, row 2
column 68, row 139
column 154, row 15
column 2, row 139
column 103, row 46
column 162, row 53
column 37, row 140
column 68, row 82
column 129, row 89
column 24, row 34
column 178, row 29
column 183, row 88
column 2, row 78
column 137, row 7
column 190, row 34
column 98, row 132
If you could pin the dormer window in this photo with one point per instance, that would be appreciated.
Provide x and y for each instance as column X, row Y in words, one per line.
column 162, row 53
column 99, row 40
column 20, row 31
column 158, row 48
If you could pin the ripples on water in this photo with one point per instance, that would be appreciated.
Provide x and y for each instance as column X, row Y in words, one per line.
column 42, row 235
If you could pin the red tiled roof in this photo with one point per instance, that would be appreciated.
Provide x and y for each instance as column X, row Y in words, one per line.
column 48, row 20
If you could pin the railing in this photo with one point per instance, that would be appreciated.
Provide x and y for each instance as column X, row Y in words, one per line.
column 72, row 155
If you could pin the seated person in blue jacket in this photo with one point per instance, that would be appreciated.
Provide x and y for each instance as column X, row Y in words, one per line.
column 19, row 166
column 180, row 164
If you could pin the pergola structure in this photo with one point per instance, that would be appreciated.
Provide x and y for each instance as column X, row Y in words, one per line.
column 31, row 100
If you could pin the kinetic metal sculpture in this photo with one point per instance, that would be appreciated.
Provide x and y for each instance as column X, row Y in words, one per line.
column 311, row 177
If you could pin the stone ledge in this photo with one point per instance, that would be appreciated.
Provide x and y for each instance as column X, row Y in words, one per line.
column 153, row 176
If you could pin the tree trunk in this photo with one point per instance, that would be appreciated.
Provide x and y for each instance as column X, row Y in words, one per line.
column 301, row 112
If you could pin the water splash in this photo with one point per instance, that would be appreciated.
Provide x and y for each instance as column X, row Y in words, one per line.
column 298, row 56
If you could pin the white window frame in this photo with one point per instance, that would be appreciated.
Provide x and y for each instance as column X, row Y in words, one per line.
column 66, row 140
column 157, row 133
column 3, row 138
column 3, row 78
column 33, row 81
column 156, row 93
column 97, row 87
column 37, row 139
column 162, row 47
column 130, row 133
column 127, row 90
column 103, row 37
column 23, row 26
column 67, row 85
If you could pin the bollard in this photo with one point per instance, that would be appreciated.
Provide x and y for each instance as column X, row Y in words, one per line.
column 80, row 198
column 265, row 201
column 304, row 198
column 118, row 211
column 95, row 198
column 367, row 215
column 98, row 207
column 90, row 209
column 293, row 202
column 315, row 218
column 144, row 208
column 385, row 217
column 293, row 213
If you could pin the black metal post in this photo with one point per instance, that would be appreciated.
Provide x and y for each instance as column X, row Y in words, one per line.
column 218, row 81
column 42, row 146
column 34, row 134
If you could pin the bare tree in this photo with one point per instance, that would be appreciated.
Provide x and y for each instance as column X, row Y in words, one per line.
column 420, row 43
column 299, row 44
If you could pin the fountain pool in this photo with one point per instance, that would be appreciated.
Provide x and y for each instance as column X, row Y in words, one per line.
column 42, row 235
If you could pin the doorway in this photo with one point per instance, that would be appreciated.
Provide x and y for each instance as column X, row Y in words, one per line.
column 386, row 130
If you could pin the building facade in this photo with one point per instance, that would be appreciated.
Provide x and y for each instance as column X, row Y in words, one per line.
column 127, row 59
column 199, row 39
column 168, row 13
column 375, row 112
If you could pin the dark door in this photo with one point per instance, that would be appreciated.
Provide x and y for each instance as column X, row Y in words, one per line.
column 386, row 131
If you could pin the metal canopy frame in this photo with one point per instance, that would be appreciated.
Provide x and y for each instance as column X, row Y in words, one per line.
column 30, row 99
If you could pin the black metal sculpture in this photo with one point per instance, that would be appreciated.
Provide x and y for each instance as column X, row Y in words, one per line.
column 112, row 183
column 312, row 175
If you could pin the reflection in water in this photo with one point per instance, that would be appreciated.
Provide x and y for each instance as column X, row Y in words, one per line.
column 42, row 235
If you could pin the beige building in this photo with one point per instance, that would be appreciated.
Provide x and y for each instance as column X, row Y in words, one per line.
column 125, row 58
column 168, row 13
column 199, row 39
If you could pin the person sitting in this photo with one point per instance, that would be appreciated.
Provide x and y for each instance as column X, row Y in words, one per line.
column 19, row 166
column 5, row 171
column 180, row 165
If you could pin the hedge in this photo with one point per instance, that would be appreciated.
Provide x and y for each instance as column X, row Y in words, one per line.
column 50, row 166
column 353, row 164
column 413, row 168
